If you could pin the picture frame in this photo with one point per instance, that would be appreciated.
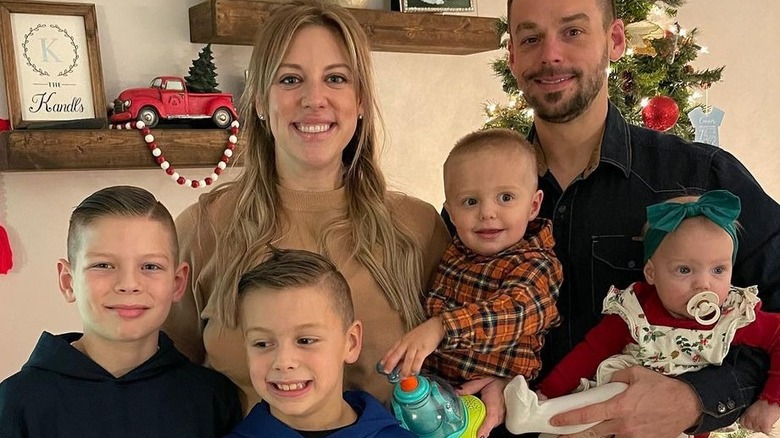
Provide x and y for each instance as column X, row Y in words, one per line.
column 437, row 5
column 51, row 62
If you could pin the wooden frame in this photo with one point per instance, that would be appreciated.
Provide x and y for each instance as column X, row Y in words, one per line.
column 51, row 59
column 437, row 5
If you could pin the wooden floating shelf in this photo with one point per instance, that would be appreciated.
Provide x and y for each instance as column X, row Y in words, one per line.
column 237, row 22
column 24, row 150
column 231, row 22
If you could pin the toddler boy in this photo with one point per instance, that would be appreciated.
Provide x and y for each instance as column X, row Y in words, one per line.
column 494, row 293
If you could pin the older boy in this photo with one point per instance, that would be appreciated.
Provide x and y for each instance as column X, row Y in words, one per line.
column 494, row 294
column 122, row 376
column 297, row 317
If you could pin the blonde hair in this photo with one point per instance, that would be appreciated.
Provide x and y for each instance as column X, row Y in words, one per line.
column 502, row 139
column 258, row 212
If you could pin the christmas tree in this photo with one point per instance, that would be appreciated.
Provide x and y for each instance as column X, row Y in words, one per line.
column 653, row 75
column 203, row 73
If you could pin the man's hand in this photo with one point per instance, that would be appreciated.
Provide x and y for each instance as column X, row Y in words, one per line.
column 760, row 416
column 653, row 406
column 491, row 392
column 414, row 347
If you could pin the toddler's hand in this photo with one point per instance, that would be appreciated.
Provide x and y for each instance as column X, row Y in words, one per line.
column 760, row 416
column 414, row 347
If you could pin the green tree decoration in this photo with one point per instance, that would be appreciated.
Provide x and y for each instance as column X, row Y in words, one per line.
column 203, row 73
column 657, row 62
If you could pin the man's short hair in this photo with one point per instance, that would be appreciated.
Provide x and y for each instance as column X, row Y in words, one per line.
column 608, row 10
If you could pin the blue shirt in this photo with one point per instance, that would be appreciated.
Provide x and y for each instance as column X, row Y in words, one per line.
column 374, row 421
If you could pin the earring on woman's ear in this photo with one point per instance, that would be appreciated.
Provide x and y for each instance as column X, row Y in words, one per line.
column 360, row 116
column 261, row 116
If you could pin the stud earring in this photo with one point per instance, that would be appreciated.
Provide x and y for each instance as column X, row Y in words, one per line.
column 261, row 116
column 360, row 116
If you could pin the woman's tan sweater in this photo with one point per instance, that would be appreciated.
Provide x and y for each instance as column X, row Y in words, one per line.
column 196, row 328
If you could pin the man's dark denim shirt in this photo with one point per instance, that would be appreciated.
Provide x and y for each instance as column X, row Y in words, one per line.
column 597, row 221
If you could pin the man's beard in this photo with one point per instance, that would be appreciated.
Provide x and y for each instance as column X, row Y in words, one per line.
column 546, row 106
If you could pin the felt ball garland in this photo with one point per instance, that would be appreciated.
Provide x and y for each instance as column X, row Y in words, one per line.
column 166, row 166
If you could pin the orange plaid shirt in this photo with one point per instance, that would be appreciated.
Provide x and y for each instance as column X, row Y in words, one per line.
column 496, row 309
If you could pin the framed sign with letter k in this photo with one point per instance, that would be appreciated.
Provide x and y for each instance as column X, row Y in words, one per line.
column 51, row 60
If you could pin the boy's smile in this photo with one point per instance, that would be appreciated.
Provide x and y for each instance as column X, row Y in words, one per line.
column 488, row 233
column 123, row 279
column 128, row 311
column 297, row 346
column 290, row 389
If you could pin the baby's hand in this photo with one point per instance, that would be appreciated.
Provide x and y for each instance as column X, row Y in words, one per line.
column 414, row 347
column 760, row 416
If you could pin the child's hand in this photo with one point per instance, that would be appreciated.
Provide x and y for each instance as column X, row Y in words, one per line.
column 760, row 416
column 414, row 347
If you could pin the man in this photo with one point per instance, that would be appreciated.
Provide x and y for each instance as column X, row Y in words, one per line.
column 598, row 174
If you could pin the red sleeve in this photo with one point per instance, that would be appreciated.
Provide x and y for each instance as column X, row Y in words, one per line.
column 764, row 333
column 606, row 339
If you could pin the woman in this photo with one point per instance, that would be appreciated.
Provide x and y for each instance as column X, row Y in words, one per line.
column 310, row 181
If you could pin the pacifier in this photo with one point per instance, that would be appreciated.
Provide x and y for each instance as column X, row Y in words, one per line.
column 704, row 307
column 393, row 376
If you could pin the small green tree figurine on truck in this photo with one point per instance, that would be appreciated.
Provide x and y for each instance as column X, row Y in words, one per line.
column 203, row 73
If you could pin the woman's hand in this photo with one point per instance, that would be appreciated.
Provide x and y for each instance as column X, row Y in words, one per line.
column 414, row 347
column 491, row 392
column 653, row 406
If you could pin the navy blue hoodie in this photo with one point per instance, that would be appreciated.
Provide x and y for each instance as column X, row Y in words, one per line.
column 374, row 421
column 60, row 392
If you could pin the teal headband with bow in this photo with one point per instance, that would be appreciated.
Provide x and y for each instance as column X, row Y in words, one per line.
column 719, row 206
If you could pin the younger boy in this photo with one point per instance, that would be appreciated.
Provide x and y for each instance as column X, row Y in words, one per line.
column 122, row 377
column 299, row 326
column 494, row 294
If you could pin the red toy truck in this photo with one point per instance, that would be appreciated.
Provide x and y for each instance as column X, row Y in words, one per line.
column 167, row 97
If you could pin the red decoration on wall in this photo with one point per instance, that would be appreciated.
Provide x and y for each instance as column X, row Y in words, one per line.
column 6, row 256
column 661, row 113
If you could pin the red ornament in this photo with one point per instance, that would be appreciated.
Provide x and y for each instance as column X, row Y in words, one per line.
column 661, row 113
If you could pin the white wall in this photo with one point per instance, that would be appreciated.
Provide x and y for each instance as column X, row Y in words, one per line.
column 429, row 101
